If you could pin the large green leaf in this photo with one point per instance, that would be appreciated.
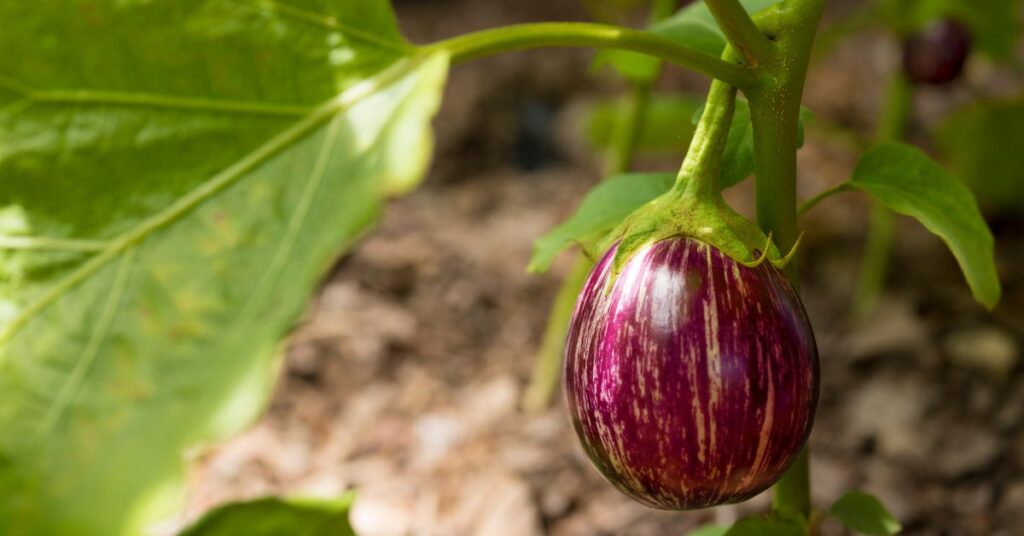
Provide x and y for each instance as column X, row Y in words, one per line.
column 272, row 516
column 981, row 142
column 907, row 181
column 865, row 514
column 692, row 26
column 604, row 207
column 175, row 177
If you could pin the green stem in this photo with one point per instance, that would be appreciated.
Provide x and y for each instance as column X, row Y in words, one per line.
column 875, row 262
column 774, row 112
column 812, row 202
column 741, row 31
column 630, row 126
column 792, row 493
column 581, row 34
column 547, row 367
column 698, row 176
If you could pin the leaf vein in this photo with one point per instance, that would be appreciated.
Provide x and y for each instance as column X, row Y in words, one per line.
column 209, row 188
column 329, row 22
column 85, row 360
column 47, row 243
column 154, row 100
column 295, row 224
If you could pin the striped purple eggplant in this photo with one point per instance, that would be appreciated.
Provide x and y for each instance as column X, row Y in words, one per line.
column 693, row 380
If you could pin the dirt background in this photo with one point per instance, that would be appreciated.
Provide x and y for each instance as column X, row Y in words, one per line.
column 404, row 381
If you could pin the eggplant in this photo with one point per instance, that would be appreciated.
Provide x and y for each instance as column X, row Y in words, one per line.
column 936, row 55
column 691, row 379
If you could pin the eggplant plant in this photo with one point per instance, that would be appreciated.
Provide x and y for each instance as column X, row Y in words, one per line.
column 176, row 176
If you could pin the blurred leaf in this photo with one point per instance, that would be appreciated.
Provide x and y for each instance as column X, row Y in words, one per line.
column 175, row 178
column 769, row 525
column 666, row 126
column 865, row 514
column 709, row 530
column 909, row 182
column 692, row 26
column 612, row 11
column 982, row 144
column 604, row 207
column 272, row 516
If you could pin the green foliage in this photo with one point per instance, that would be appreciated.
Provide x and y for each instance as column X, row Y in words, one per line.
column 272, row 516
column 601, row 211
column 610, row 202
column 666, row 127
column 981, row 142
column 691, row 26
column 175, row 177
column 909, row 182
column 769, row 525
column 864, row 513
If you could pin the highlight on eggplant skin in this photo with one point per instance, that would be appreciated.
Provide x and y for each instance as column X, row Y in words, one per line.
column 693, row 380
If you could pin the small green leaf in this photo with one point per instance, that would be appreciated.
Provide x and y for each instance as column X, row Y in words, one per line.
column 709, row 530
column 666, row 126
column 981, row 143
column 272, row 516
column 604, row 207
column 909, row 182
column 864, row 513
column 691, row 26
column 769, row 525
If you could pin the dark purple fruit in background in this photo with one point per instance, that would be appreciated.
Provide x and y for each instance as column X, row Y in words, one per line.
column 693, row 380
column 937, row 54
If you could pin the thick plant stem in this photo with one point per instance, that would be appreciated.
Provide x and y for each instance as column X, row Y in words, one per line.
column 581, row 34
column 792, row 493
column 775, row 111
column 741, row 31
column 875, row 262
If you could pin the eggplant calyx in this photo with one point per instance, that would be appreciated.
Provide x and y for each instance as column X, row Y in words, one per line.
column 764, row 254
column 708, row 219
column 780, row 262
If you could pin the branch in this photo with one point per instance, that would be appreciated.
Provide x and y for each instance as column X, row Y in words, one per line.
column 741, row 31
column 578, row 34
